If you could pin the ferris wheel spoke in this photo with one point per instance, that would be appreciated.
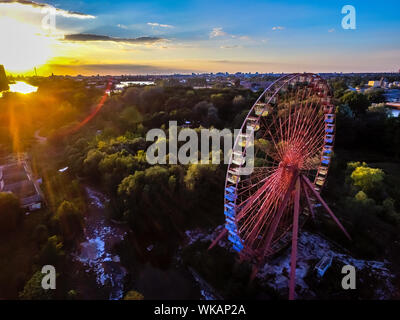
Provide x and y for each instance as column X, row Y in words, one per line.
column 252, row 200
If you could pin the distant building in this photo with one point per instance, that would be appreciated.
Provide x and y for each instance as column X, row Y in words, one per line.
column 16, row 177
column 374, row 83
column 3, row 79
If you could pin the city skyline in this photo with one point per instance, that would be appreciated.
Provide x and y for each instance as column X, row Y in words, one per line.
column 96, row 37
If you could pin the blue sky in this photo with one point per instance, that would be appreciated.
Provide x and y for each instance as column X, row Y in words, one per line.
column 264, row 36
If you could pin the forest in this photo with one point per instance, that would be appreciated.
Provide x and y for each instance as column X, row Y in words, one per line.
column 161, row 202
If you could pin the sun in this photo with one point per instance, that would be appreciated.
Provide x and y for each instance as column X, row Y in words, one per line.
column 23, row 46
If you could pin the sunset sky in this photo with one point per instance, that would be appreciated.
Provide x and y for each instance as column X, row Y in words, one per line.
column 140, row 37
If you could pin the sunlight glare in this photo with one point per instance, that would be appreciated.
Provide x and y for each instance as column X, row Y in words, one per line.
column 24, row 46
column 22, row 87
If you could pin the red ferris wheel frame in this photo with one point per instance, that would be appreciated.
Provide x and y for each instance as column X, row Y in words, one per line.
column 294, row 120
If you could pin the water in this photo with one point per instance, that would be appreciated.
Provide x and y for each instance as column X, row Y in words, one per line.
column 22, row 87
column 392, row 95
column 155, row 276
column 395, row 112
column 96, row 252
column 124, row 84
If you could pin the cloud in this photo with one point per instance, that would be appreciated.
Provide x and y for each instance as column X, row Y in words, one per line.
column 217, row 32
column 37, row 5
column 331, row 30
column 230, row 47
column 122, row 26
column 235, row 62
column 278, row 28
column 115, row 68
column 156, row 24
column 81, row 37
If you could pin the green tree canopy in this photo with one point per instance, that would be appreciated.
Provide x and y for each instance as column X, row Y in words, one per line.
column 357, row 102
column 367, row 178
column 376, row 96
column 33, row 289
column 52, row 252
column 69, row 220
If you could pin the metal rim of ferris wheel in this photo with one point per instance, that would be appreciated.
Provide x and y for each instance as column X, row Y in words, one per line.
column 293, row 122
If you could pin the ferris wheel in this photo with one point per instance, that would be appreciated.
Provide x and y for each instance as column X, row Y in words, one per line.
column 291, row 128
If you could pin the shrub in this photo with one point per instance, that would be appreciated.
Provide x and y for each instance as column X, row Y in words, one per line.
column 133, row 295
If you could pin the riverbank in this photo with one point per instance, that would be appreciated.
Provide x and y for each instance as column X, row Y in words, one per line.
column 112, row 260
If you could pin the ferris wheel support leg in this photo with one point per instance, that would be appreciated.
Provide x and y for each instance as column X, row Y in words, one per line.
column 254, row 272
column 293, row 258
column 274, row 226
column 308, row 200
column 219, row 237
column 279, row 214
column 318, row 196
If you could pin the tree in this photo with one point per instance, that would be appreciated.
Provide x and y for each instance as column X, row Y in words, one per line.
column 367, row 178
column 132, row 184
column 357, row 102
column 361, row 196
column 156, row 177
column 33, row 289
column 10, row 211
column 339, row 87
column 239, row 119
column 223, row 103
column 201, row 110
column 40, row 234
column 91, row 163
column 116, row 166
column 376, row 96
column 72, row 295
column 263, row 144
column 201, row 177
column 132, row 95
column 151, row 99
column 390, row 210
column 69, row 221
column 239, row 102
column 345, row 111
column 3, row 79
column 130, row 116
column 379, row 108
column 51, row 252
